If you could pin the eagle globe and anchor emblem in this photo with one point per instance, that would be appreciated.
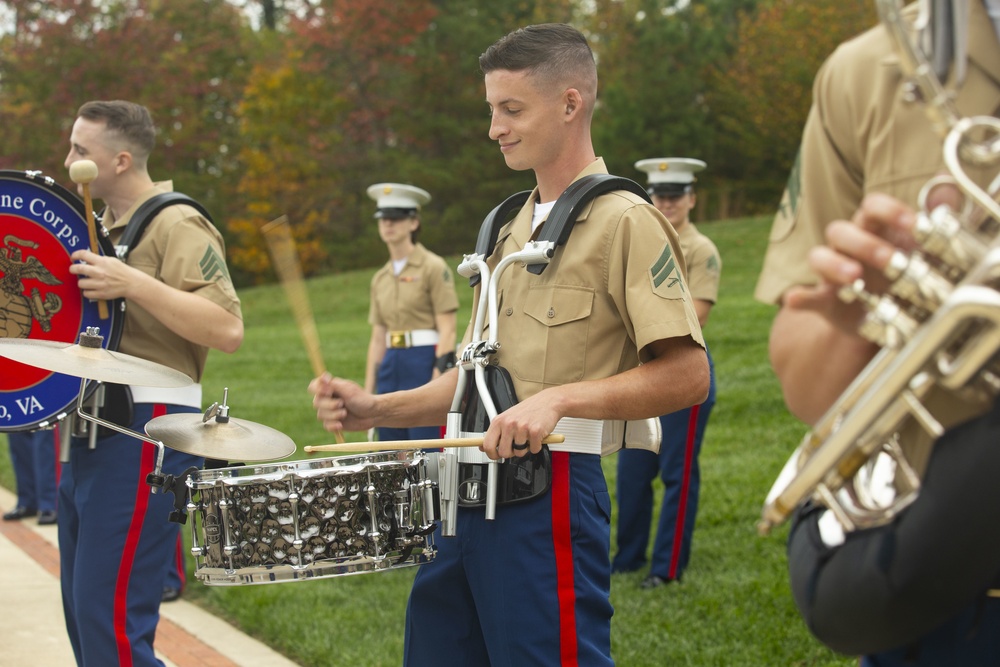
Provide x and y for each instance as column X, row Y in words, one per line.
column 19, row 307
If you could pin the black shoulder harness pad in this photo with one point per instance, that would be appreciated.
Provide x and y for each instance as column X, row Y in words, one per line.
column 562, row 218
column 146, row 213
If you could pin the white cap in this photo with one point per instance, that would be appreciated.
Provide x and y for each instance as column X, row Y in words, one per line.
column 397, row 200
column 670, row 175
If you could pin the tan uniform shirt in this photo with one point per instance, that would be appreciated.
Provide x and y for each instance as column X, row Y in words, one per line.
column 184, row 250
column 862, row 136
column 423, row 289
column 704, row 264
column 614, row 288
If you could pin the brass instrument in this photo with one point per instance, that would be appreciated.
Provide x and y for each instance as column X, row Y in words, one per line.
column 938, row 325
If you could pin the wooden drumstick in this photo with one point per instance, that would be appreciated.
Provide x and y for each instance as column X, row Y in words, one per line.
column 83, row 172
column 551, row 439
column 286, row 264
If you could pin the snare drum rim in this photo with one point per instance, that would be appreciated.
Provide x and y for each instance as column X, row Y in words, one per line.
column 255, row 473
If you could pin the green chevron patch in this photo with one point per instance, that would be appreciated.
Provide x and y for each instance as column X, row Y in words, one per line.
column 665, row 270
column 213, row 266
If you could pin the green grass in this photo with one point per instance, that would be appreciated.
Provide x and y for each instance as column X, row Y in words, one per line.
column 734, row 606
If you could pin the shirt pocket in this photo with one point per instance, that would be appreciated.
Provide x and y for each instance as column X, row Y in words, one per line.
column 552, row 342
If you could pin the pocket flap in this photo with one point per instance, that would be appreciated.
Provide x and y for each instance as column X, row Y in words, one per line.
column 553, row 306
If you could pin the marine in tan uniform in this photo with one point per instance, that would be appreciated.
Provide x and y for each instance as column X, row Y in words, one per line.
column 866, row 138
column 115, row 540
column 412, row 305
column 532, row 586
column 671, row 184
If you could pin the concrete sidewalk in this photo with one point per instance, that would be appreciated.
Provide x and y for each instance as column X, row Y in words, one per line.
column 32, row 631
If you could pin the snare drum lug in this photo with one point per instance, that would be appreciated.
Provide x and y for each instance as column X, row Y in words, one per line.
column 293, row 500
column 229, row 548
column 373, row 511
column 196, row 549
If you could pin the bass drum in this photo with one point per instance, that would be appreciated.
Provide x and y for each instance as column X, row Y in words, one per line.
column 42, row 224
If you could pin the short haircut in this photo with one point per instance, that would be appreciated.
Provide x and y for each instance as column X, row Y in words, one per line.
column 555, row 53
column 130, row 121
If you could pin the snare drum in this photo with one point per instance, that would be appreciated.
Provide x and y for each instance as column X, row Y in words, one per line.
column 318, row 518
column 41, row 224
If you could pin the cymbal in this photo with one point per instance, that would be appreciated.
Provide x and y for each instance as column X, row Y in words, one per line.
column 94, row 363
column 233, row 440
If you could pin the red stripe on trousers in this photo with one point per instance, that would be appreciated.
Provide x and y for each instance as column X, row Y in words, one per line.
column 675, row 553
column 146, row 464
column 563, row 545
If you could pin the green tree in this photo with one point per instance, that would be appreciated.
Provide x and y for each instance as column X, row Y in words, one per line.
column 654, row 57
column 760, row 95
column 165, row 54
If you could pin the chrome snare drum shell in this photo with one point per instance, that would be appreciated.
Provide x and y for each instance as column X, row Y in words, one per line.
column 319, row 518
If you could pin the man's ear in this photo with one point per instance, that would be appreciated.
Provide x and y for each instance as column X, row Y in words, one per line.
column 573, row 102
column 123, row 162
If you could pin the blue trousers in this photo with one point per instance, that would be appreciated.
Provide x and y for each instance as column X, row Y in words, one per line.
column 115, row 541
column 677, row 465
column 971, row 639
column 529, row 588
column 406, row 368
column 35, row 459
column 176, row 576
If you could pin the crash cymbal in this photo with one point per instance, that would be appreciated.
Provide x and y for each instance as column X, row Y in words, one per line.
column 232, row 440
column 93, row 363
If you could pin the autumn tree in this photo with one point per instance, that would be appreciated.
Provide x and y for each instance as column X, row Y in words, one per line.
column 187, row 60
column 368, row 92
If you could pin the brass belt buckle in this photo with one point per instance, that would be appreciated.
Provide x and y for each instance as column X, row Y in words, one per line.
column 397, row 339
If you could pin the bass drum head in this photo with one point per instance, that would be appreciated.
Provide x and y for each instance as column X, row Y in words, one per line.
column 42, row 224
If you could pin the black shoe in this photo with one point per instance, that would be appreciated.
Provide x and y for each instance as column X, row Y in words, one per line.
column 654, row 581
column 47, row 518
column 170, row 594
column 19, row 513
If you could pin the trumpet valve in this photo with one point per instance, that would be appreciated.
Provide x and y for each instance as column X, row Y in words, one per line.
column 886, row 324
column 941, row 234
column 916, row 281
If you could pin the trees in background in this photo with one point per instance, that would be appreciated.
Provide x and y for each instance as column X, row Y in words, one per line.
column 270, row 107
column 187, row 60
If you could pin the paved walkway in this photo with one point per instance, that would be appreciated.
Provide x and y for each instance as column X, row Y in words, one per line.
column 32, row 630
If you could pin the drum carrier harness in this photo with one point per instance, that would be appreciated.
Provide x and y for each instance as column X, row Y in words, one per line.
column 476, row 480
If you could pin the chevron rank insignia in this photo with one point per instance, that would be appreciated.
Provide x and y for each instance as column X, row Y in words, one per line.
column 666, row 275
column 213, row 267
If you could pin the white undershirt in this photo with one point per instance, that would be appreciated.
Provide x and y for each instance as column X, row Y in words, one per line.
column 397, row 266
column 541, row 212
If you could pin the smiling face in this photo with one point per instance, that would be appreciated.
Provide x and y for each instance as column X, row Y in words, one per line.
column 526, row 120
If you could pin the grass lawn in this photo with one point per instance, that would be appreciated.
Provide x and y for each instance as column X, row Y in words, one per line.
column 733, row 607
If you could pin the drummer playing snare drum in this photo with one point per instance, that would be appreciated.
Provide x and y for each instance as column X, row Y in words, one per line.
column 531, row 587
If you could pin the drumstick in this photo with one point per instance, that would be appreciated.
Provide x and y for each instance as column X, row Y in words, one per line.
column 286, row 265
column 83, row 172
column 552, row 439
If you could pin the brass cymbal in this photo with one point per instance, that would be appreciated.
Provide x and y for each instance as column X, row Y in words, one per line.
column 94, row 363
column 233, row 440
